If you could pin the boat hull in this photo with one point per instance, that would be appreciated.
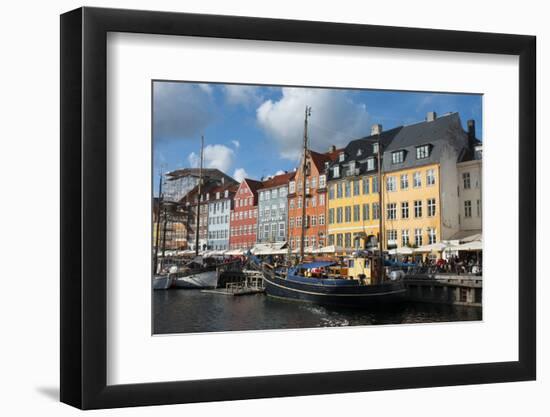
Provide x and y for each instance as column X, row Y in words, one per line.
column 163, row 282
column 349, row 295
column 203, row 279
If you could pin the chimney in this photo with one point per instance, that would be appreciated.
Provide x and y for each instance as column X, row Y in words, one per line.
column 332, row 148
column 376, row 129
column 431, row 116
column 471, row 132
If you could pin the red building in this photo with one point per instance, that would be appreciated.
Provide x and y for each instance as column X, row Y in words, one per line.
column 244, row 216
column 316, row 201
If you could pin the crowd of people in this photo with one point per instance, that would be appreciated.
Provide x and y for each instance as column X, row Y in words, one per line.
column 465, row 264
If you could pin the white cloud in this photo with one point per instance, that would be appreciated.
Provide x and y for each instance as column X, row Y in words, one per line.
column 236, row 143
column 279, row 172
column 215, row 156
column 180, row 110
column 240, row 174
column 335, row 119
column 242, row 94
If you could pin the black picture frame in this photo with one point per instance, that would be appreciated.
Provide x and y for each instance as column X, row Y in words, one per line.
column 84, row 207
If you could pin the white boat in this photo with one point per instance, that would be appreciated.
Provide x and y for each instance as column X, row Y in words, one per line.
column 163, row 282
column 200, row 278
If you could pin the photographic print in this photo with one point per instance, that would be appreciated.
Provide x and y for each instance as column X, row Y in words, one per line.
column 284, row 207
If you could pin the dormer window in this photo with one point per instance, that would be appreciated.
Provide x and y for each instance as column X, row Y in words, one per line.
column 342, row 156
column 359, row 153
column 336, row 171
column 375, row 148
column 397, row 157
column 422, row 152
column 217, row 195
column 226, row 194
column 370, row 164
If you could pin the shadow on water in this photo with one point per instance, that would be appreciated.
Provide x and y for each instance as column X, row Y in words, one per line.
column 193, row 311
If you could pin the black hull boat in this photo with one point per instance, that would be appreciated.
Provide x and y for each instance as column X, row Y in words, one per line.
column 338, row 292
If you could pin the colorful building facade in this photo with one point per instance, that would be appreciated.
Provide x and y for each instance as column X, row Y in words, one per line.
column 315, row 201
column 244, row 215
column 219, row 212
column 273, row 209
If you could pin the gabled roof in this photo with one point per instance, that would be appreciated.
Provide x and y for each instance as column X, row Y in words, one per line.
column 253, row 184
column 277, row 180
column 319, row 159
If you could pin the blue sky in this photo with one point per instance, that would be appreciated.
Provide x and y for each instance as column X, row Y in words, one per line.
column 257, row 131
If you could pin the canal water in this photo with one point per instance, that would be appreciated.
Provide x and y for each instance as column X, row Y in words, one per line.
column 193, row 311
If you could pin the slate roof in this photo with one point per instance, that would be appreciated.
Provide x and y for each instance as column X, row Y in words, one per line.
column 444, row 134
column 360, row 150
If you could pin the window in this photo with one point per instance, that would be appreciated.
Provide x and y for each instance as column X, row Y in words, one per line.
column 331, row 240
column 313, row 241
column 391, row 211
column 466, row 180
column 374, row 184
column 322, row 181
column 375, row 211
column 391, row 184
column 365, row 211
column 321, row 219
column 397, row 157
column 283, row 192
column 299, row 221
column 347, row 188
column 291, row 222
column 262, row 196
column 431, row 207
column 339, row 193
column 404, row 181
column 331, row 216
column 348, row 240
column 292, row 187
column 274, row 193
column 341, row 157
column 299, row 200
column 266, row 231
column 339, row 240
column 478, row 205
column 432, row 238
column 418, row 208
column 339, row 215
column 467, row 208
column 370, row 164
column 314, row 182
column 314, row 201
column 321, row 199
column 405, row 210
column 392, row 236
column 348, row 214
column 300, row 185
column 331, row 192
column 366, row 183
column 417, row 180
column 430, row 177
column 291, row 204
column 314, row 220
column 356, row 187
column 356, row 213
column 336, row 171
column 418, row 237
column 375, row 148
column 422, row 152
column 405, row 237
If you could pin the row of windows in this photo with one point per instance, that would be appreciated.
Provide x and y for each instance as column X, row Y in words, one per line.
column 218, row 234
column 422, row 152
column 468, row 208
column 357, row 213
column 345, row 239
column 417, row 207
column 247, row 214
column 310, row 202
column 219, row 219
column 391, row 181
column 467, row 181
column 219, row 206
column 310, row 221
column 344, row 189
column 275, row 229
column 244, row 202
column 309, row 241
column 275, row 193
column 244, row 230
column 311, row 182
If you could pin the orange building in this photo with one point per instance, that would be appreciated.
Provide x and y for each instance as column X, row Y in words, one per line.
column 316, row 201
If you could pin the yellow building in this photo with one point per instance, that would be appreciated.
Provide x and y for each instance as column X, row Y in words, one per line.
column 420, row 202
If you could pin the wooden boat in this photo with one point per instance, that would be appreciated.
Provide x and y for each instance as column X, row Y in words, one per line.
column 298, row 284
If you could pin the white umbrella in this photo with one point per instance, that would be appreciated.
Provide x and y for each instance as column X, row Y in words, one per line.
column 434, row 247
column 404, row 250
column 471, row 246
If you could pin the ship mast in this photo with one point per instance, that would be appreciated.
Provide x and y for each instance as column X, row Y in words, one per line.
column 380, row 213
column 304, row 174
column 199, row 201
column 157, row 236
